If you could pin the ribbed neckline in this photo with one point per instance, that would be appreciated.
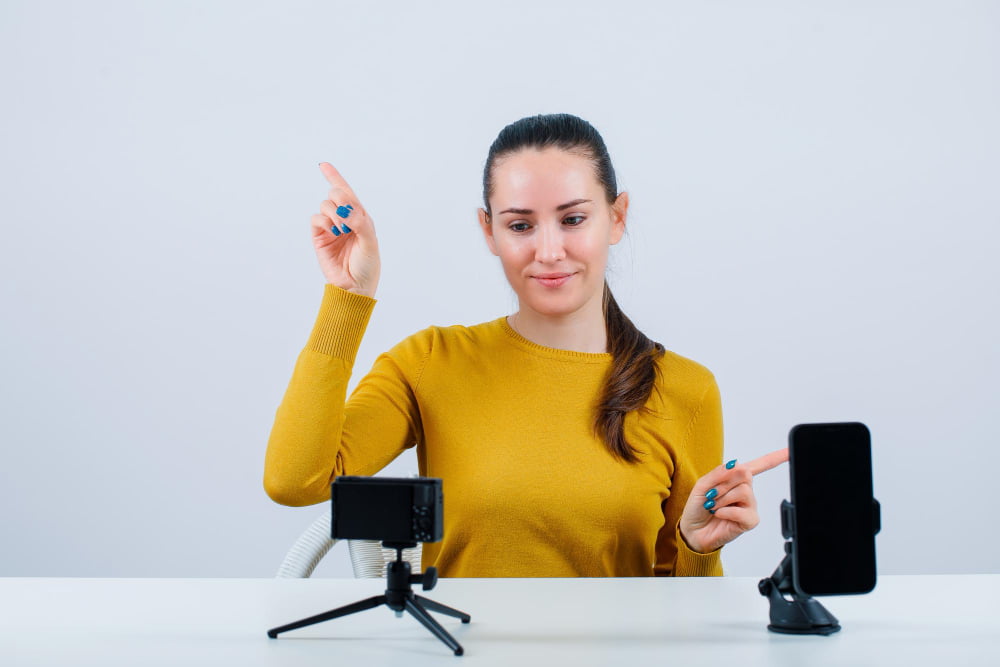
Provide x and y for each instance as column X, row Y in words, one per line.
column 550, row 352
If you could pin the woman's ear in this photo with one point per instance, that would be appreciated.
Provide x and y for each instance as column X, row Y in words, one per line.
column 486, row 225
column 619, row 211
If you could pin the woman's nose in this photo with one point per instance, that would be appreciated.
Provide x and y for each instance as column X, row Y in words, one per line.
column 550, row 244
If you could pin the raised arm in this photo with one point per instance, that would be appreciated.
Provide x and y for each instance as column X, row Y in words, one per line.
column 317, row 433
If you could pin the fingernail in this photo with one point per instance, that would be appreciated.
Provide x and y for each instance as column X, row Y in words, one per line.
column 709, row 504
column 336, row 232
column 343, row 211
column 711, row 511
column 350, row 207
column 731, row 464
column 712, row 494
column 347, row 230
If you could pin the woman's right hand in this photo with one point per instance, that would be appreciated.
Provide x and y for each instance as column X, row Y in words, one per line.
column 351, row 260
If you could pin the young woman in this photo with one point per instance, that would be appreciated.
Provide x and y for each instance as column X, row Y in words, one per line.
column 569, row 444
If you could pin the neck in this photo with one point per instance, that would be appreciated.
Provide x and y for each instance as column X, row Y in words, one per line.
column 580, row 331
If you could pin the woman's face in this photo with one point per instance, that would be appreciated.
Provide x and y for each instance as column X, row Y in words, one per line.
column 551, row 228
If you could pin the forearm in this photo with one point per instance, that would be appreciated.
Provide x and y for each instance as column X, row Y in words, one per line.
column 699, row 450
column 303, row 451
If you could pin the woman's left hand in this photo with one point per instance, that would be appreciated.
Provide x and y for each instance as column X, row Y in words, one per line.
column 734, row 510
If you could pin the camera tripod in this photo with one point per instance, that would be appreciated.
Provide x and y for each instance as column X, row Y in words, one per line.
column 399, row 597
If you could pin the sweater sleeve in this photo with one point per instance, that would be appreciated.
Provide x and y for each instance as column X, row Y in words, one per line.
column 700, row 452
column 317, row 434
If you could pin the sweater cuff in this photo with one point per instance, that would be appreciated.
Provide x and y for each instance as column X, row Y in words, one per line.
column 692, row 563
column 341, row 323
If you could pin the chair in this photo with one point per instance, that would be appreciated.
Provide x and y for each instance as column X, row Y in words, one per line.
column 368, row 557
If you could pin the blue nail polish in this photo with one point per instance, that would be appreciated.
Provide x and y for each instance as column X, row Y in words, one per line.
column 711, row 511
column 709, row 504
column 343, row 211
column 350, row 207
column 336, row 232
column 712, row 494
column 347, row 230
column 731, row 464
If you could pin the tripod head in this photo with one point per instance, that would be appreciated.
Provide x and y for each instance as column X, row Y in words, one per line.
column 399, row 576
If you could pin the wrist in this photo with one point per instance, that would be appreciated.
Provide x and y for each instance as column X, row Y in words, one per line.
column 354, row 289
column 370, row 293
column 341, row 323
column 692, row 545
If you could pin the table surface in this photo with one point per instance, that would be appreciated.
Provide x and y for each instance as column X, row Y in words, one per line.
column 910, row 620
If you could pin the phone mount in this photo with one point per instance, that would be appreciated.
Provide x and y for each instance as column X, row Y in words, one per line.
column 802, row 615
column 399, row 597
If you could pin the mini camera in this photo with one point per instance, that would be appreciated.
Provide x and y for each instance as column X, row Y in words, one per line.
column 389, row 509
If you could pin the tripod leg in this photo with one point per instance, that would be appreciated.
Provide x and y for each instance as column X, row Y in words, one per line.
column 442, row 609
column 361, row 605
column 428, row 622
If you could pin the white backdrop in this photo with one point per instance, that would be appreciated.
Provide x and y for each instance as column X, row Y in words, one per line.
column 814, row 208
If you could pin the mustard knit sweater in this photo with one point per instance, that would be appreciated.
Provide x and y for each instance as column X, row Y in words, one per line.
column 530, row 490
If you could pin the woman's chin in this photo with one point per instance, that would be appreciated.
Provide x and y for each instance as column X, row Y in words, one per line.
column 555, row 308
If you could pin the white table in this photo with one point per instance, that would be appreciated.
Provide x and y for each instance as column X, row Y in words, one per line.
column 907, row 620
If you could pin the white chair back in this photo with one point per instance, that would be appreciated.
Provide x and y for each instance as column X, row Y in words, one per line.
column 368, row 557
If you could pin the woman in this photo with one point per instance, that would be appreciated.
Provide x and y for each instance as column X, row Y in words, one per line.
column 569, row 444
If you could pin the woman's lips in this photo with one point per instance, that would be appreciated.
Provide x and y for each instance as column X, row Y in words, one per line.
column 553, row 279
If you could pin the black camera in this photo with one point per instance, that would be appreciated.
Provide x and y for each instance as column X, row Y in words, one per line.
column 389, row 509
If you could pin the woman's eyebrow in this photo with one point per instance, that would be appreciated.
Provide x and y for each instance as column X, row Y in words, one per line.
column 528, row 211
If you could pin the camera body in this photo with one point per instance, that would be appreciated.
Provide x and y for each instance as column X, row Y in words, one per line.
column 388, row 509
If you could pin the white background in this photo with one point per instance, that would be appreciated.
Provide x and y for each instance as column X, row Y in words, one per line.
column 814, row 192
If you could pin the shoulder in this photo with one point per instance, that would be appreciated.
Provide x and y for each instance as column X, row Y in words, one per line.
column 682, row 384
column 447, row 347
column 674, row 366
column 451, row 339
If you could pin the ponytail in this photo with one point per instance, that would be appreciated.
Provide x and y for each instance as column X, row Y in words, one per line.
column 630, row 380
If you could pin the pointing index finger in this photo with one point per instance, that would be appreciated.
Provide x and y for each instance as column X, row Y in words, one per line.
column 768, row 461
column 333, row 177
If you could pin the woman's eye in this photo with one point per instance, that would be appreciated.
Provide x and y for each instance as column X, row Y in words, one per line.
column 579, row 220
column 519, row 226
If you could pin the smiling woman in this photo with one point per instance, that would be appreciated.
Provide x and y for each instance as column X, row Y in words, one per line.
column 556, row 259
column 569, row 443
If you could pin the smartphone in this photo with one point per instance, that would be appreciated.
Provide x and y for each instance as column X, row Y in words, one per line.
column 835, row 515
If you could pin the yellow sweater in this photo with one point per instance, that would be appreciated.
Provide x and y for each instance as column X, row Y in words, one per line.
column 529, row 489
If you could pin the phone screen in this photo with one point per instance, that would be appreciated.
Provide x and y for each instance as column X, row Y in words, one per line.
column 831, row 488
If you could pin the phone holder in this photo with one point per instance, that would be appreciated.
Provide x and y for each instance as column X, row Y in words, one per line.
column 399, row 597
column 802, row 615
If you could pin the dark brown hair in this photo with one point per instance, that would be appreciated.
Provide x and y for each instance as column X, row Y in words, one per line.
column 633, row 369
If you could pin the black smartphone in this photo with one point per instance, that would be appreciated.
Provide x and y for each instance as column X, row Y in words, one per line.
column 835, row 513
